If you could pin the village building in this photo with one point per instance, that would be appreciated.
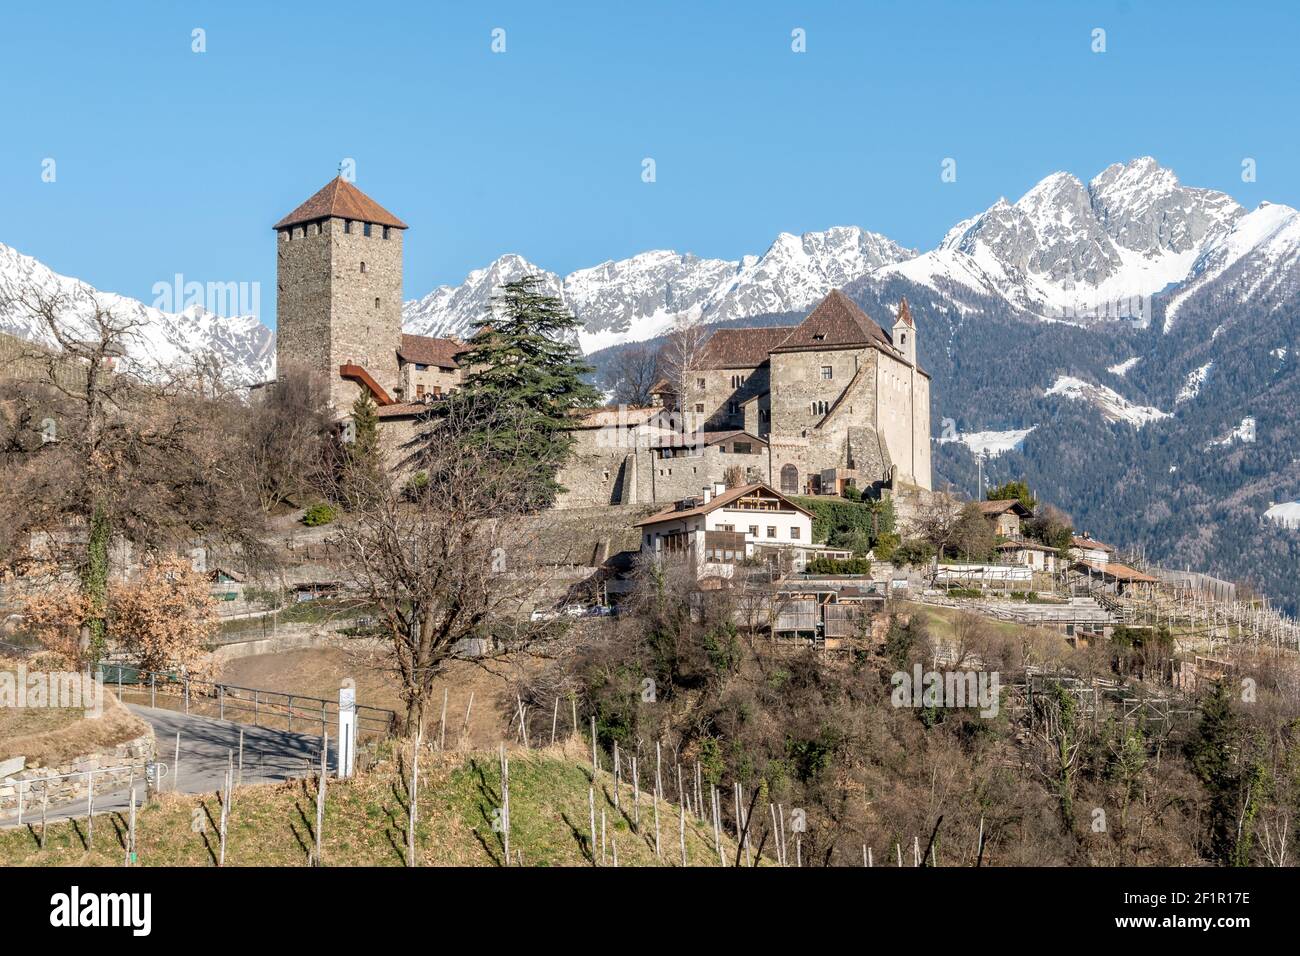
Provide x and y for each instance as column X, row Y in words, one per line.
column 1006, row 516
column 1087, row 549
column 1032, row 554
column 721, row 527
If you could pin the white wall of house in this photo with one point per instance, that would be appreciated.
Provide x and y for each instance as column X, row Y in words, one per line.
column 790, row 527
column 1092, row 555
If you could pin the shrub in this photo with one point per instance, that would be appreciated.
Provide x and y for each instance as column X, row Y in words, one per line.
column 912, row 551
column 320, row 514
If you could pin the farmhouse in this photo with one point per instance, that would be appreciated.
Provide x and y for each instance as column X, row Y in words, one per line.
column 724, row 526
column 1006, row 515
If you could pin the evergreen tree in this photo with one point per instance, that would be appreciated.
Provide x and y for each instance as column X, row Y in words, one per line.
column 1017, row 490
column 1210, row 751
column 525, row 378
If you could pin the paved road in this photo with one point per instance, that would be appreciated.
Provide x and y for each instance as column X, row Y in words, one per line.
column 269, row 756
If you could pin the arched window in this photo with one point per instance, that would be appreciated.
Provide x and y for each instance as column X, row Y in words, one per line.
column 376, row 303
column 363, row 267
column 790, row 479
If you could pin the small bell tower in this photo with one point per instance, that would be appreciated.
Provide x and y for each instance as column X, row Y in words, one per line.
column 904, row 332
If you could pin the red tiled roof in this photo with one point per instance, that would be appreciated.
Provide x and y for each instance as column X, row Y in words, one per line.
column 836, row 321
column 340, row 199
column 740, row 348
column 426, row 350
column 1117, row 572
column 401, row 409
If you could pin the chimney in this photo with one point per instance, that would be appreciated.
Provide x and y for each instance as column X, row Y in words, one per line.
column 707, row 495
column 719, row 487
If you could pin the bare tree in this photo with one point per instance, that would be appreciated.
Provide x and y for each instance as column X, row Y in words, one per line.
column 284, row 434
column 444, row 562
column 104, row 447
column 633, row 375
column 680, row 354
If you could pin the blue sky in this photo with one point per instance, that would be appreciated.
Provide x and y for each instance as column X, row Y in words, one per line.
column 170, row 161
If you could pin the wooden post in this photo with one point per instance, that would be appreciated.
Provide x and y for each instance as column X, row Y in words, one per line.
column 90, row 809
column 573, row 701
column 798, row 850
column 658, row 854
column 699, row 792
column 602, row 836
column 595, row 764
column 225, row 812
column 618, row 777
column 523, row 721
column 464, row 731
column 411, row 793
column 681, row 829
column 555, row 718
column 772, row 807
column 591, row 807
column 21, row 783
column 130, row 844
column 442, row 732
column 153, row 691
column 636, row 798
column 176, row 764
column 979, row 852
column 505, row 803
column 45, row 802
column 241, row 756
column 320, row 800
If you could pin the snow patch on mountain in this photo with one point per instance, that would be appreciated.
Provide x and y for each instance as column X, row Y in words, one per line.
column 991, row 444
column 1192, row 385
column 1123, row 368
column 1113, row 406
column 1287, row 514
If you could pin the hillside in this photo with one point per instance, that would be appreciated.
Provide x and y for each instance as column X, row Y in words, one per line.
column 365, row 821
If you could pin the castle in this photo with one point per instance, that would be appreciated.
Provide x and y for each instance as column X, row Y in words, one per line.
column 833, row 402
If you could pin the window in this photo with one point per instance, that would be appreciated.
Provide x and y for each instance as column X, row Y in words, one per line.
column 820, row 408
column 771, row 531
column 419, row 367
column 733, row 408
column 827, row 373
column 743, row 448
column 753, row 531
column 363, row 267
column 366, row 230
column 790, row 479
column 699, row 383
column 376, row 302
column 737, row 381
column 765, row 414
column 386, row 231
column 794, row 534
column 419, row 391
column 347, row 226
column 699, row 408
column 819, row 337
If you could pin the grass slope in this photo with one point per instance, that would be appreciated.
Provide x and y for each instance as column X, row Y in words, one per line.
column 365, row 821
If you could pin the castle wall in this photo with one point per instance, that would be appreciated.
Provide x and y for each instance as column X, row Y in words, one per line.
column 722, row 388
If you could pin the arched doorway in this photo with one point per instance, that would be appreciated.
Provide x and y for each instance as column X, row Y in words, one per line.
column 790, row 479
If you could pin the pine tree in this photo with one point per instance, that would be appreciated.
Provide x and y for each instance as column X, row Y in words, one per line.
column 1210, row 751
column 525, row 378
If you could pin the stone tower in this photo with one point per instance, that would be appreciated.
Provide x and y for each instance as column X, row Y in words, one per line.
column 339, row 293
column 904, row 332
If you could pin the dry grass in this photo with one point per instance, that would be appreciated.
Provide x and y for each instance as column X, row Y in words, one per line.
column 49, row 736
column 365, row 821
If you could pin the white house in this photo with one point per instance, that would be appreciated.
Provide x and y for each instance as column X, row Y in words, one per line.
column 721, row 527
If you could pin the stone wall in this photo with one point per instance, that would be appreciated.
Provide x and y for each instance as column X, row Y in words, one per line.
column 116, row 765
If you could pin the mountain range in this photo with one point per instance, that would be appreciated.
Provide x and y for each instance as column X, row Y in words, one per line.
column 1106, row 340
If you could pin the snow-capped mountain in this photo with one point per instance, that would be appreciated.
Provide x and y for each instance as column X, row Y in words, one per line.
column 1113, row 406
column 630, row 300
column 1074, row 252
column 244, row 346
column 1259, row 259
